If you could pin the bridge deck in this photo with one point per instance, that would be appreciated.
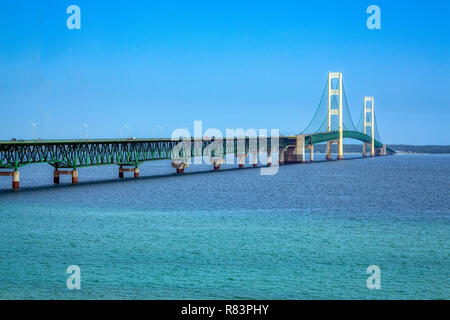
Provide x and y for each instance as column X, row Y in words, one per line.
column 128, row 153
column 66, row 153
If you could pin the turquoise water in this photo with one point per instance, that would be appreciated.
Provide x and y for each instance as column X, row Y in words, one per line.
column 308, row 232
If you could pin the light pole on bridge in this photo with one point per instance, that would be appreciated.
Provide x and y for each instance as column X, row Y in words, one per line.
column 160, row 131
column 128, row 128
column 85, row 126
column 34, row 124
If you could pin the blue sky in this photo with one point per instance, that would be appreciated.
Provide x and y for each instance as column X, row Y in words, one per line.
column 231, row 64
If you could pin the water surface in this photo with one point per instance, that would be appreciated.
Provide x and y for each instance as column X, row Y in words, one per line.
column 308, row 232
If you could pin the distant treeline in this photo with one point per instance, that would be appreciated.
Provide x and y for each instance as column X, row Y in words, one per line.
column 357, row 148
column 419, row 149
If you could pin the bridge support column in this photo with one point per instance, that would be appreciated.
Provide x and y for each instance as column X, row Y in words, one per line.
column 180, row 166
column 340, row 149
column 364, row 152
column 381, row 151
column 217, row 162
column 311, row 153
column 122, row 170
column 269, row 159
column 255, row 159
column 341, row 127
column 56, row 176
column 328, row 156
column 241, row 160
column 281, row 155
column 299, row 150
column 296, row 153
column 15, row 180
column 75, row 176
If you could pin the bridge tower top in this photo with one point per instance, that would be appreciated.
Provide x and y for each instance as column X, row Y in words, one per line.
column 371, row 123
column 333, row 111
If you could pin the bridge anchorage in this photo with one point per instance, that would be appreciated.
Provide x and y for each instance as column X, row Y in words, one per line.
column 330, row 124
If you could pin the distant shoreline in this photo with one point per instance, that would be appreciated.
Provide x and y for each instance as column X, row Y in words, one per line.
column 400, row 148
column 425, row 149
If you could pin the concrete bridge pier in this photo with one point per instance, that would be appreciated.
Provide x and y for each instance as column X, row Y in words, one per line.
column 216, row 162
column 381, row 151
column 329, row 145
column 134, row 170
column 296, row 153
column 328, row 152
column 75, row 176
column 255, row 159
column 56, row 176
column 180, row 166
column 241, row 160
column 15, row 178
column 311, row 152
column 281, row 155
column 367, row 146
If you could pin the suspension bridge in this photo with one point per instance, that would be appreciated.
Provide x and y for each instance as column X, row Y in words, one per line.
column 331, row 123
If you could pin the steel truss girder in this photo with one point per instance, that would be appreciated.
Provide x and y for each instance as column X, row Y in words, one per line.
column 94, row 153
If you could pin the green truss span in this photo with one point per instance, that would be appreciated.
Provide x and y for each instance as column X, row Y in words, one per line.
column 334, row 135
column 85, row 153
